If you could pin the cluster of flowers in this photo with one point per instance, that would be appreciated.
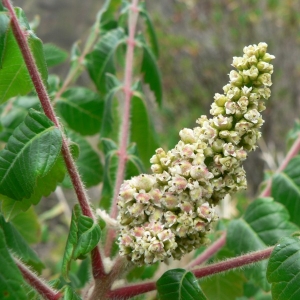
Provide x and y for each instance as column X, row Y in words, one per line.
column 168, row 213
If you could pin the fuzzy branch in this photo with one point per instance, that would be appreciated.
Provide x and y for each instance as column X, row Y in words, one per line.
column 132, row 22
column 98, row 268
column 133, row 290
column 39, row 285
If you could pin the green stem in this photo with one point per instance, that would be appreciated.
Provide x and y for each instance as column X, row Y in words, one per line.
column 21, row 38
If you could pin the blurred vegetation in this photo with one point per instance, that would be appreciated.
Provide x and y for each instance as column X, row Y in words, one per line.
column 197, row 42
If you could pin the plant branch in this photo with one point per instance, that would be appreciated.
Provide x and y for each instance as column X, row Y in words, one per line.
column 132, row 22
column 233, row 263
column 136, row 289
column 293, row 152
column 37, row 283
column 209, row 252
column 98, row 268
column 130, row 291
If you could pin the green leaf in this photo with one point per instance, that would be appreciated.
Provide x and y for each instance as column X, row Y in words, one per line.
column 150, row 29
column 110, row 123
column 110, row 171
column 16, row 114
column 47, row 184
column 88, row 161
column 284, row 269
column 264, row 223
column 54, row 55
column 14, row 77
column 11, row 280
column 11, row 208
column 84, row 236
column 83, row 273
column 142, row 131
column 69, row 294
column 106, row 14
column 286, row 188
column 101, row 60
column 89, row 234
column 28, row 225
column 81, row 109
column 151, row 72
column 19, row 246
column 4, row 26
column 29, row 154
column 142, row 272
column 226, row 286
column 179, row 284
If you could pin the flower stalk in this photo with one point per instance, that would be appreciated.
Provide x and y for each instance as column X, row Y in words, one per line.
column 122, row 153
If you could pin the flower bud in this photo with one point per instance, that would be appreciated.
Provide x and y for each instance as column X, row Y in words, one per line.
column 236, row 78
column 187, row 136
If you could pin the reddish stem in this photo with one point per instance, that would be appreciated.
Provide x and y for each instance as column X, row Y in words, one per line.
column 130, row 291
column 209, row 252
column 49, row 111
column 133, row 290
column 133, row 16
column 233, row 263
column 40, row 286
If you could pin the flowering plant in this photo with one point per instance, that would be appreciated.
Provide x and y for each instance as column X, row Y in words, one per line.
column 144, row 222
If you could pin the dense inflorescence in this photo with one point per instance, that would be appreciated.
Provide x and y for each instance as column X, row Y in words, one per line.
column 168, row 213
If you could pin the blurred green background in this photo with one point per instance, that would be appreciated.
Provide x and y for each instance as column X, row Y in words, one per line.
column 197, row 42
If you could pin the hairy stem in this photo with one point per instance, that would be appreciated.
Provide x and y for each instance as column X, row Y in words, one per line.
column 41, row 91
column 130, row 291
column 209, row 252
column 136, row 289
column 233, row 263
column 133, row 16
column 39, row 285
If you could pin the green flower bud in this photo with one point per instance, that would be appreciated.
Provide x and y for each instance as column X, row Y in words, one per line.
column 243, row 127
column 233, row 93
column 217, row 145
column 254, row 98
column 265, row 67
column 187, row 136
column 252, row 115
column 265, row 79
column 268, row 57
column 239, row 63
column 156, row 168
column 252, row 73
column 236, row 78
column 220, row 99
column 222, row 123
column 262, row 49
column 216, row 110
column 252, row 60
